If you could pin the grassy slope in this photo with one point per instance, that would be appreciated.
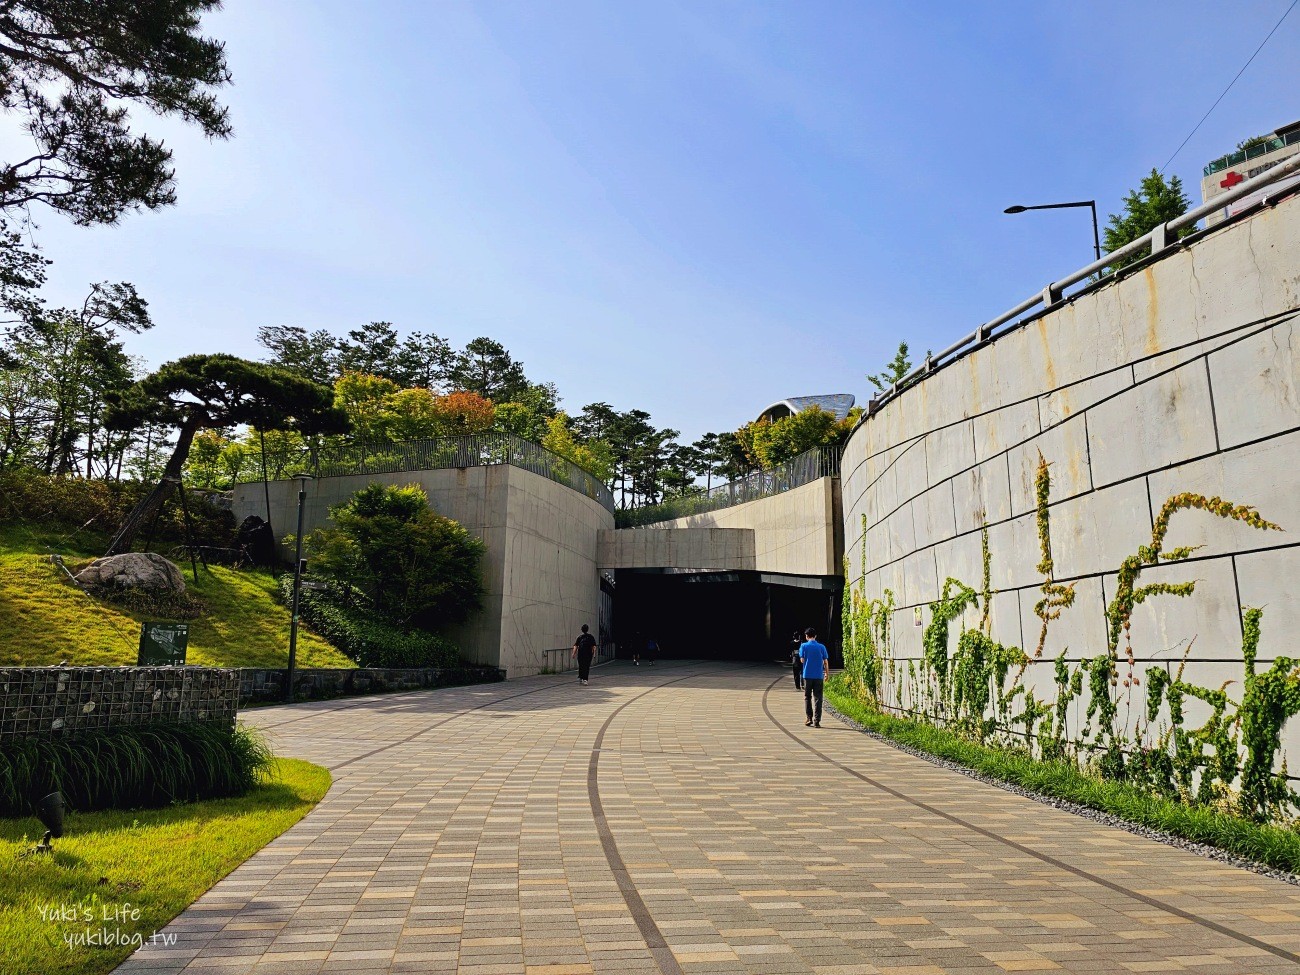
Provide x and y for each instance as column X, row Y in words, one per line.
column 157, row 860
column 45, row 619
column 1274, row 846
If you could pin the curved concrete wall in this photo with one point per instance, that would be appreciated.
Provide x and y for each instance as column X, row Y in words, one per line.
column 1183, row 376
column 540, row 566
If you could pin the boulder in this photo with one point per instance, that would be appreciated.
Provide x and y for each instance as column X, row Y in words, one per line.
column 135, row 570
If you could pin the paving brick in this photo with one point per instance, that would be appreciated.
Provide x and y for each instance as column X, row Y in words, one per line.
column 750, row 852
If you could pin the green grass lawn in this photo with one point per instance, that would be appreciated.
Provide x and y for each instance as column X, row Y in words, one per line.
column 45, row 619
column 132, row 872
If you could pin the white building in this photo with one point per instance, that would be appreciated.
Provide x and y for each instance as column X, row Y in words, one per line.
column 1236, row 167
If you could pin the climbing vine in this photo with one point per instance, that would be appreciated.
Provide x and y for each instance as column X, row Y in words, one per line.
column 952, row 602
column 1269, row 700
column 1056, row 597
column 1229, row 759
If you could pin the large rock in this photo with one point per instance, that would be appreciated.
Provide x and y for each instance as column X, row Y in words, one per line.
column 136, row 570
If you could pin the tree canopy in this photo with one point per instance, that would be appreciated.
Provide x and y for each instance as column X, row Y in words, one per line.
column 72, row 70
column 215, row 391
column 1155, row 202
column 408, row 564
column 895, row 370
column 769, row 443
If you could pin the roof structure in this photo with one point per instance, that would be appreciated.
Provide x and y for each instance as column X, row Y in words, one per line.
column 837, row 403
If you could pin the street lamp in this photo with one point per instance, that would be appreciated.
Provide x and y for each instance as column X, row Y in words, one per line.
column 1092, row 204
column 302, row 480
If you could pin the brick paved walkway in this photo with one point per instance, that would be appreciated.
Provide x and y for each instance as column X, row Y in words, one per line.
column 682, row 819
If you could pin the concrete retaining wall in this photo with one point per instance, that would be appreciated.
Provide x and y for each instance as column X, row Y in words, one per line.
column 701, row 549
column 539, row 570
column 66, row 700
column 1181, row 377
column 796, row 533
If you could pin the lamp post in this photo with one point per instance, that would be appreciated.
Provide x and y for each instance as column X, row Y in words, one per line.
column 297, row 587
column 1091, row 204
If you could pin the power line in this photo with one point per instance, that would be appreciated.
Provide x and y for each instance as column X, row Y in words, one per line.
column 1229, row 88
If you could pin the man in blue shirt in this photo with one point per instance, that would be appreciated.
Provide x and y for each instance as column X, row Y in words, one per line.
column 816, row 663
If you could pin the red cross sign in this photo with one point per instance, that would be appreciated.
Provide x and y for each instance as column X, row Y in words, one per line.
column 1231, row 180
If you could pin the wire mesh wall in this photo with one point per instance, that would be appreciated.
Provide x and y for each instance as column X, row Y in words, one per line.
column 442, row 453
column 807, row 467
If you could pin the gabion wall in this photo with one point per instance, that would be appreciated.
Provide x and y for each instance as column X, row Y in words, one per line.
column 261, row 685
column 64, row 700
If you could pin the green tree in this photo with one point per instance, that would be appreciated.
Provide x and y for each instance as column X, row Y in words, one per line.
column 485, row 367
column 1153, row 203
column 314, row 355
column 62, row 362
column 683, row 465
column 520, row 421
column 421, row 361
column 593, row 456
column 895, row 370
column 365, row 399
column 71, row 68
column 731, row 461
column 372, row 349
column 406, row 563
column 22, row 273
column 769, row 443
column 204, row 392
column 1254, row 140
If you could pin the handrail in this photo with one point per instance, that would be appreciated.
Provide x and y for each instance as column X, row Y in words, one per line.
column 803, row 469
column 444, row 453
column 1158, row 240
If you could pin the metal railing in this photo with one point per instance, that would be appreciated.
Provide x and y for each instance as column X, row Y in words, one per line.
column 809, row 466
column 560, row 660
column 1158, row 240
column 443, row 453
column 1261, row 148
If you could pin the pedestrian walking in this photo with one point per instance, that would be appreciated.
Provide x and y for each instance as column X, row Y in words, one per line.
column 584, row 648
column 816, row 664
column 796, row 642
column 651, row 650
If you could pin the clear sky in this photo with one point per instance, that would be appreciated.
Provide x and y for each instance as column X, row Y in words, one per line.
column 693, row 208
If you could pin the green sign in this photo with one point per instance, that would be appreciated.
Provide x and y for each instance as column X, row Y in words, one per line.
column 163, row 644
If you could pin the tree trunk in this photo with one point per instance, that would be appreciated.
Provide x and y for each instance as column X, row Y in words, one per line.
column 152, row 502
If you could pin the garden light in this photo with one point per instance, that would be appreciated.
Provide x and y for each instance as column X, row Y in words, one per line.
column 50, row 812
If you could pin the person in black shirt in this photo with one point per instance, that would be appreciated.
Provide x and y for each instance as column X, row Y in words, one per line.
column 584, row 648
column 796, row 642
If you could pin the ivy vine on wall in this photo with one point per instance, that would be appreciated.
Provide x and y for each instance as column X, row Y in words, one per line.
column 974, row 685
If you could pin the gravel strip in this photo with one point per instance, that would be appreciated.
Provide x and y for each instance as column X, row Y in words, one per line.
column 1108, row 819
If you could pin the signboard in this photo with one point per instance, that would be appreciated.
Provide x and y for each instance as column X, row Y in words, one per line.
column 163, row 644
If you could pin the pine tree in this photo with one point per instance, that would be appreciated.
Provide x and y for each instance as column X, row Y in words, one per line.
column 1153, row 203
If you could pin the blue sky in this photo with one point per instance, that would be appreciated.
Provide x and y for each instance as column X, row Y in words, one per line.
column 692, row 208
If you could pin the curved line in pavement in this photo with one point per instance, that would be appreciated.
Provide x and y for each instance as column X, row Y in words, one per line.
column 439, row 724
column 366, row 699
column 650, row 933
column 1045, row 858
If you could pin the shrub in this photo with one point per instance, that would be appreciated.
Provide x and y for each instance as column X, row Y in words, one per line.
column 408, row 564
column 32, row 497
column 131, row 767
column 364, row 637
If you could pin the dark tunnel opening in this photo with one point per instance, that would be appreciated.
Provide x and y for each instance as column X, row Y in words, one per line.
column 722, row 615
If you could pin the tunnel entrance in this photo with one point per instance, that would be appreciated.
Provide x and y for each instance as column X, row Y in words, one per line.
column 722, row 615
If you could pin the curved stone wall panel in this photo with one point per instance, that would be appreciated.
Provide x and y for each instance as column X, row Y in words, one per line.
column 1183, row 376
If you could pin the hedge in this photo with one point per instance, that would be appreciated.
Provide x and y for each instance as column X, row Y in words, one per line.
column 366, row 639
